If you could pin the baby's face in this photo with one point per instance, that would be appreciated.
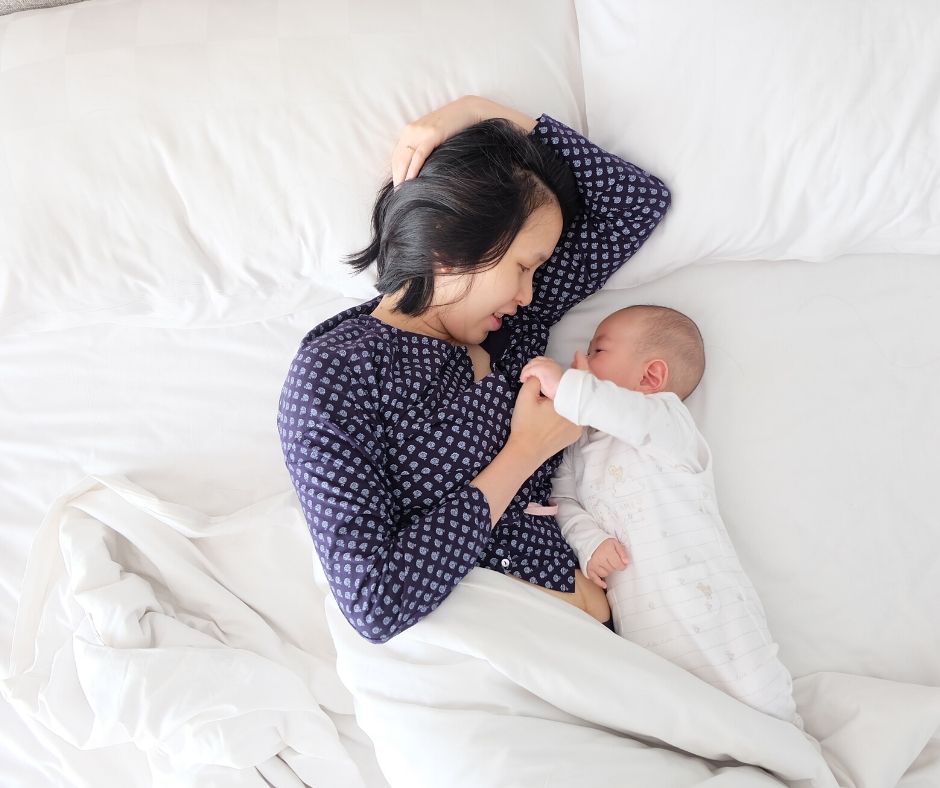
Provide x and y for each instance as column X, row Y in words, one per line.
column 612, row 353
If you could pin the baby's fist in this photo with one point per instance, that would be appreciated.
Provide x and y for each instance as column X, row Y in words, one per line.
column 547, row 371
column 609, row 557
column 580, row 361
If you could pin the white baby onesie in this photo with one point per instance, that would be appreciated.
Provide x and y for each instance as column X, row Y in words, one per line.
column 642, row 473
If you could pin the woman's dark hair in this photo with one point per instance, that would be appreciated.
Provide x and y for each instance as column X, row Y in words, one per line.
column 471, row 198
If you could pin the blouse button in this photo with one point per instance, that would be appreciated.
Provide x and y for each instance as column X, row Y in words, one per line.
column 505, row 563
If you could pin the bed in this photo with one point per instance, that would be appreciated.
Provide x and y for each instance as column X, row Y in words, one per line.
column 178, row 182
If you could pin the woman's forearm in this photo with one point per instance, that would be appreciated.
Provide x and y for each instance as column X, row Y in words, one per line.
column 484, row 109
column 502, row 478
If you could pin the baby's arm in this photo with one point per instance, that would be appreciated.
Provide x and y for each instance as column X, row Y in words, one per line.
column 580, row 530
column 631, row 416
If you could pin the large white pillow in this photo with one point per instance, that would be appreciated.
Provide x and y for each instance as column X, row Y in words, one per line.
column 786, row 130
column 188, row 162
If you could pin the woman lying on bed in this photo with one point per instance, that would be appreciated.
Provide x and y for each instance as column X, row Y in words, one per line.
column 414, row 452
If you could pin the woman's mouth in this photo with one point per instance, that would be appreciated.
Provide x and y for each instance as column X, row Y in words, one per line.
column 497, row 321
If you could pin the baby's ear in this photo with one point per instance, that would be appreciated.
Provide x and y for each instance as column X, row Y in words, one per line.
column 656, row 377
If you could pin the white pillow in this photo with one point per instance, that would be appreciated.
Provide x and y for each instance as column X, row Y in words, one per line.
column 187, row 162
column 784, row 130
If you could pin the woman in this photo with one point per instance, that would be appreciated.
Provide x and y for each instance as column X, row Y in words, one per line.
column 397, row 421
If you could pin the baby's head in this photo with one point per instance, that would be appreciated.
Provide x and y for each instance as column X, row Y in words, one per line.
column 648, row 349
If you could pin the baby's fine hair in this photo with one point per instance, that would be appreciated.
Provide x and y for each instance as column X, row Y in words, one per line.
column 675, row 336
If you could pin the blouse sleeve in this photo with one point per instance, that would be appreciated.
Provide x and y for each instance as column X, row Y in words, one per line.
column 621, row 205
column 387, row 569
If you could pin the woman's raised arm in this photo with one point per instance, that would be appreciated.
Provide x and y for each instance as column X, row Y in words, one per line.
column 622, row 204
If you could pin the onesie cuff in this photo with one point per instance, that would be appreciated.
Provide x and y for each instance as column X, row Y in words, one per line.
column 591, row 547
column 568, row 394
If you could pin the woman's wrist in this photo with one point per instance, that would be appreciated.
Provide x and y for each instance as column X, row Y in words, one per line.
column 524, row 453
column 501, row 479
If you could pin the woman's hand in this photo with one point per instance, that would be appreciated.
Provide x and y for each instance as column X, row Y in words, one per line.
column 422, row 136
column 537, row 426
column 536, row 433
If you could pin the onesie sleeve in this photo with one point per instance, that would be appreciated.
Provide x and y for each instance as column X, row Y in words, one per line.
column 580, row 530
column 656, row 422
column 387, row 568
column 621, row 205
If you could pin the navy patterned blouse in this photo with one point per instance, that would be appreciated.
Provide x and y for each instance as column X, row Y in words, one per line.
column 383, row 429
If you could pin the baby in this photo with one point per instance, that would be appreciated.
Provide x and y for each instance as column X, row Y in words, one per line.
column 636, row 501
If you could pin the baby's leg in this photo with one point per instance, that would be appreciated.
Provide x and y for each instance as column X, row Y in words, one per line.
column 586, row 596
column 706, row 618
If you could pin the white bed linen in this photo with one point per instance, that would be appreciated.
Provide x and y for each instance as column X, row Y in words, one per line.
column 201, row 639
column 188, row 414
column 231, row 150
column 517, row 689
column 817, row 402
column 783, row 130
column 140, row 622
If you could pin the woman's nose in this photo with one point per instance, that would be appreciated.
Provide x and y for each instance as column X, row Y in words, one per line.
column 524, row 296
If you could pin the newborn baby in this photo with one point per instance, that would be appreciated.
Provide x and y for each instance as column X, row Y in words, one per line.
column 636, row 501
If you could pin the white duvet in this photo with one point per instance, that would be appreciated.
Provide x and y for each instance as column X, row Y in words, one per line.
column 198, row 638
column 202, row 640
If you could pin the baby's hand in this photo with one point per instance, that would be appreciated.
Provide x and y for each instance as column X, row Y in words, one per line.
column 609, row 557
column 547, row 371
column 580, row 362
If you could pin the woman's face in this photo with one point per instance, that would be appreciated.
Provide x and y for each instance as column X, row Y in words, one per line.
column 481, row 299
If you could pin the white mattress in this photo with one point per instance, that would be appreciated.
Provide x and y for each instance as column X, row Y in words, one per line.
column 817, row 400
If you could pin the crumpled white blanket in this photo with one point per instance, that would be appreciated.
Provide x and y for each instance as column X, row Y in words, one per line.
column 204, row 641
column 505, row 686
column 200, row 639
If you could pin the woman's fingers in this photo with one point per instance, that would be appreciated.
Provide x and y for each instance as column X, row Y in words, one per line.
column 407, row 163
column 399, row 166
column 420, row 154
column 403, row 159
column 415, row 144
column 530, row 389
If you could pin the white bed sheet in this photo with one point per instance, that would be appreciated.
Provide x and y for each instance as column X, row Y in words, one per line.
column 189, row 414
column 818, row 402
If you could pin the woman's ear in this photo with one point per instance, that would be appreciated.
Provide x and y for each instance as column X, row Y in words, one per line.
column 655, row 377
